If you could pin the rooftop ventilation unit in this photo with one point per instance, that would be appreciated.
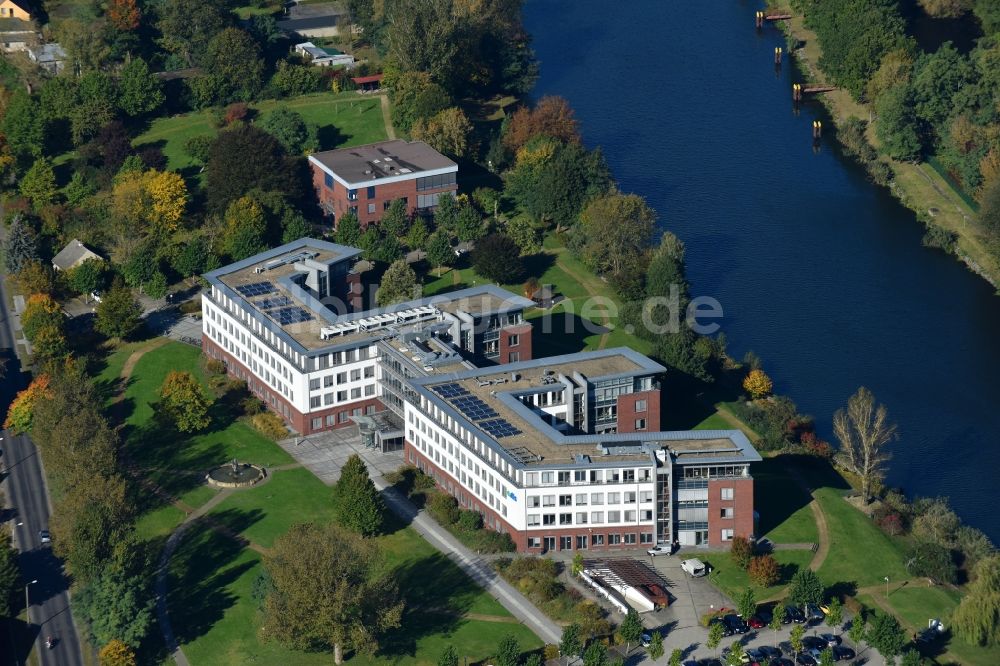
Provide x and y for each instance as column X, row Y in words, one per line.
column 290, row 259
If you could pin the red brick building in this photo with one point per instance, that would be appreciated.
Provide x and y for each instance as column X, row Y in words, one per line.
column 367, row 179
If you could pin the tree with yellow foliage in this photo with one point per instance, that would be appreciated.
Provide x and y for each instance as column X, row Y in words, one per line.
column 116, row 653
column 758, row 384
column 152, row 198
column 22, row 409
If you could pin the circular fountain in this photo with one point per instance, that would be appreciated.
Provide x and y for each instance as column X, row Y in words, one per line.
column 235, row 475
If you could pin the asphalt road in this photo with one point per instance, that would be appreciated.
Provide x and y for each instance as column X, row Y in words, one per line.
column 27, row 498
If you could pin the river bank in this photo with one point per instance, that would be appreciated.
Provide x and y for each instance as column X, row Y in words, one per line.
column 918, row 186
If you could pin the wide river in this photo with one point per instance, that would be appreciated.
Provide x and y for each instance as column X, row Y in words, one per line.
column 819, row 272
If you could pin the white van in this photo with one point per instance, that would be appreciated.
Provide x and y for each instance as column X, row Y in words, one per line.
column 694, row 568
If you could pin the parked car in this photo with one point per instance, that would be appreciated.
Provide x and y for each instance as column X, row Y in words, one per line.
column 755, row 655
column 662, row 549
column 756, row 622
column 786, row 649
column 645, row 640
column 842, row 652
column 735, row 624
column 813, row 613
column 781, row 661
column 710, row 662
column 831, row 639
column 726, row 631
column 769, row 652
column 813, row 643
column 806, row 659
column 793, row 614
column 44, row 536
column 748, row 657
column 694, row 567
column 765, row 615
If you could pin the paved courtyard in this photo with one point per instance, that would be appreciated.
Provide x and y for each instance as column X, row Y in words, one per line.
column 325, row 453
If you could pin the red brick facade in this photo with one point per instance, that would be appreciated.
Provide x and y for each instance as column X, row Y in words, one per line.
column 629, row 416
column 741, row 505
column 494, row 520
column 332, row 196
column 523, row 346
column 299, row 422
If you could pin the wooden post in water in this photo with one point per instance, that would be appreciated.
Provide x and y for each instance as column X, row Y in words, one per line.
column 796, row 92
column 777, row 55
column 759, row 20
column 817, row 130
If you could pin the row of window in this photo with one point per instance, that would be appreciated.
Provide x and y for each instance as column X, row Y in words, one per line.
column 434, row 182
column 341, row 396
column 583, row 542
column 259, row 369
column 331, row 420
column 336, row 358
column 593, row 518
column 368, row 372
column 584, row 476
column 596, row 499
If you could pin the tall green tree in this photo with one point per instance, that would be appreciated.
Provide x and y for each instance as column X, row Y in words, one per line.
column 469, row 224
column 805, row 588
column 439, row 250
column 184, row 402
column 88, row 276
column 139, row 91
column 508, row 652
column 246, row 158
column 10, row 575
column 886, row 635
column 399, row 283
column 118, row 313
column 446, row 213
column 39, row 184
column 117, row 605
column 715, row 634
column 23, row 126
column 616, row 229
column 571, row 644
column 291, row 129
column 348, row 230
column 394, row 220
column 498, row 259
column 359, row 505
column 977, row 618
column 596, row 654
column 21, row 245
column 795, row 638
column 188, row 26
column 330, row 591
column 897, row 127
column 835, row 614
column 233, row 57
column 746, row 603
column 630, row 629
column 246, row 228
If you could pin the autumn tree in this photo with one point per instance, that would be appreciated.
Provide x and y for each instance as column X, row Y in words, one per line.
column 946, row 8
column 123, row 15
column 447, row 131
column 864, row 432
column 117, row 653
column 552, row 117
column 245, row 228
column 757, row 384
column 330, row 591
column 741, row 551
column 615, row 230
column 21, row 412
column 118, row 313
column 359, row 505
column 763, row 570
column 41, row 312
column 154, row 200
column 399, row 283
column 184, row 402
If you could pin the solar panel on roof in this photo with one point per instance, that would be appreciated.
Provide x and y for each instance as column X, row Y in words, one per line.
column 293, row 315
column 256, row 289
column 450, row 391
column 273, row 302
column 499, row 428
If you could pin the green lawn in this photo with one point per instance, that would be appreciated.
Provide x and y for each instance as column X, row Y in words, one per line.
column 715, row 421
column 343, row 119
column 732, row 580
column 785, row 516
column 212, row 607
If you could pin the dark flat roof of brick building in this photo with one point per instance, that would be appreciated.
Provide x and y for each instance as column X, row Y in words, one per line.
column 386, row 159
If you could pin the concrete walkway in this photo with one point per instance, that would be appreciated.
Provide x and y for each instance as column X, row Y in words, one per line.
column 325, row 453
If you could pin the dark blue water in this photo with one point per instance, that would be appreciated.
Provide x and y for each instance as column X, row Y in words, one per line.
column 819, row 272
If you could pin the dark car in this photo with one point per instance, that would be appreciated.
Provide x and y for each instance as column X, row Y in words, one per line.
column 813, row 643
column 736, row 624
column 793, row 614
column 842, row 652
column 805, row 659
column 769, row 652
column 726, row 631
column 755, row 656
column 709, row 662
column 813, row 613
column 831, row 639
column 781, row 661
column 786, row 649
column 765, row 615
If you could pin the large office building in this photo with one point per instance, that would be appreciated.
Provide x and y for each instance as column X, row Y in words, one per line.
column 562, row 453
column 366, row 179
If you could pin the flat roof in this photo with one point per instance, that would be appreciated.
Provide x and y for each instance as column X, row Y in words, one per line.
column 538, row 443
column 281, row 293
column 374, row 162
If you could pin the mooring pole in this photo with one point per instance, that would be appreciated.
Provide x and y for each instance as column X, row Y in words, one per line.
column 777, row 55
column 759, row 20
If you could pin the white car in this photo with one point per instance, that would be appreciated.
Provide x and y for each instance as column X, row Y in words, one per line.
column 694, row 568
column 659, row 550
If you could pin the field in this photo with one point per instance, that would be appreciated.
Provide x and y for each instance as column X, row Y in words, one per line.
column 343, row 119
column 211, row 576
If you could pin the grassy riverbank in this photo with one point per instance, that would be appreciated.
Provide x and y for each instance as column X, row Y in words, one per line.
column 917, row 185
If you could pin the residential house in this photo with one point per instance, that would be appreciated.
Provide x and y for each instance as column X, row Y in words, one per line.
column 74, row 254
